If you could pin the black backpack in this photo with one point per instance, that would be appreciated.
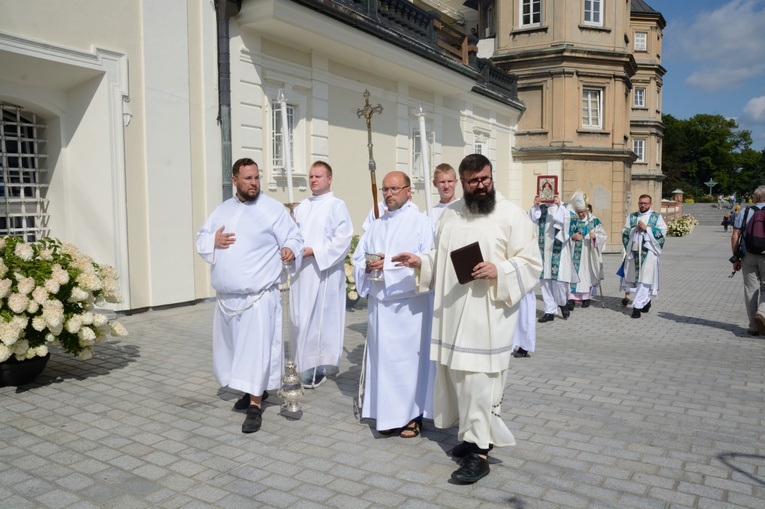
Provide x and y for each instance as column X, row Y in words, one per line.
column 754, row 231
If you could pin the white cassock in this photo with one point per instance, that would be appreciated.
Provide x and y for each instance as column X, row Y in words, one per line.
column 652, row 240
column 525, row 335
column 555, row 225
column 317, row 294
column 382, row 208
column 438, row 209
column 473, row 324
column 587, row 254
column 398, row 371
column 247, row 322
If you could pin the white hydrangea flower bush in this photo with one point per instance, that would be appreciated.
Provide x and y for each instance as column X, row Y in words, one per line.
column 49, row 291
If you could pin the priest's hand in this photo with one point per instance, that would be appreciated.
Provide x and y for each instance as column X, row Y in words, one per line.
column 592, row 235
column 307, row 252
column 641, row 226
column 378, row 265
column 577, row 236
column 224, row 240
column 407, row 260
column 287, row 254
column 485, row 270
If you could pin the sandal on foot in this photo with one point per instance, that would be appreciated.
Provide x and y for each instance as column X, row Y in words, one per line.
column 411, row 430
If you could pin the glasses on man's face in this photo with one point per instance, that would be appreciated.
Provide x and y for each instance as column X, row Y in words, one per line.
column 473, row 183
column 394, row 190
column 644, row 203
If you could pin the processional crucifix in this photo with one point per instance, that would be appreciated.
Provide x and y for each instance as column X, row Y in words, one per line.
column 367, row 111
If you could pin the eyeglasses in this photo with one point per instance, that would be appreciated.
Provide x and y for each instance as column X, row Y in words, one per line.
column 644, row 203
column 473, row 183
column 394, row 190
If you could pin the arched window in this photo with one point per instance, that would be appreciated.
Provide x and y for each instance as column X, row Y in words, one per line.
column 23, row 179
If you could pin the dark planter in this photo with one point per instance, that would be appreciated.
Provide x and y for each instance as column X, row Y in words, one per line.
column 350, row 303
column 14, row 373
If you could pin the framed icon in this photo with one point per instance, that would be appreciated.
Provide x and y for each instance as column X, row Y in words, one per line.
column 547, row 188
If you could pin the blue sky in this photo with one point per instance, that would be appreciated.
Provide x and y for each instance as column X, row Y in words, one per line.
column 714, row 53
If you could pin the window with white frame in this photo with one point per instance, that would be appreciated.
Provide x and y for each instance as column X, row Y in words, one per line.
column 481, row 143
column 638, row 147
column 277, row 145
column 417, row 152
column 593, row 12
column 641, row 41
column 639, row 97
column 592, row 108
column 531, row 12
column 23, row 183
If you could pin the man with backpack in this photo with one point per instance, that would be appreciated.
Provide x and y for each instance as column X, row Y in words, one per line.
column 643, row 240
column 748, row 245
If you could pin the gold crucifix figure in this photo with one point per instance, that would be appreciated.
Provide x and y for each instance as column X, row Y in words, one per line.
column 367, row 111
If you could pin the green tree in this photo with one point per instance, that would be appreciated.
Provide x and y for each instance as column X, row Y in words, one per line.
column 708, row 147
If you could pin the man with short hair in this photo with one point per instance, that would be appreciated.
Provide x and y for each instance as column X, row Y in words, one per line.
column 752, row 267
column 555, row 226
column 246, row 240
column 397, row 367
column 643, row 241
column 473, row 323
column 444, row 180
column 317, row 294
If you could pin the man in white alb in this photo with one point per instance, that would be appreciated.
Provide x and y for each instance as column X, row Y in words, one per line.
column 398, row 370
column 444, row 180
column 555, row 225
column 247, row 239
column 317, row 294
column 473, row 323
column 643, row 232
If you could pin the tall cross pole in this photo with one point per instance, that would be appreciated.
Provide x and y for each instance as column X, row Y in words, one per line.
column 367, row 111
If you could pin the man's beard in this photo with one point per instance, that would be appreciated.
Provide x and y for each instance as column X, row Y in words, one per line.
column 481, row 204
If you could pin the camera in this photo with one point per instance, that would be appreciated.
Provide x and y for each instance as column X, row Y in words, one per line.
column 734, row 259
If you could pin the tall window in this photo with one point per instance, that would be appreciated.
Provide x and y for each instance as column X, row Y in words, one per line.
column 23, row 186
column 277, row 147
column 417, row 152
column 593, row 12
column 592, row 108
column 531, row 12
column 641, row 41
column 639, row 97
column 638, row 147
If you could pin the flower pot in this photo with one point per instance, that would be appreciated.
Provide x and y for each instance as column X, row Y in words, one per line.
column 13, row 372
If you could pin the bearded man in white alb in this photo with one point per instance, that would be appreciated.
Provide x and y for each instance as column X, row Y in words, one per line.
column 398, row 371
column 643, row 232
column 317, row 294
column 587, row 251
column 246, row 239
column 473, row 323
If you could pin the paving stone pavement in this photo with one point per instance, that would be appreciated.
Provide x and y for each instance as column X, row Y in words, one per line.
column 610, row 412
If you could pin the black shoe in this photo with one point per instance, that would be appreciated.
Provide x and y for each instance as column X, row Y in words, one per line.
column 464, row 449
column 625, row 302
column 586, row 303
column 253, row 420
column 570, row 304
column 521, row 353
column 635, row 313
column 547, row 317
column 565, row 312
column 244, row 402
column 646, row 307
column 472, row 469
